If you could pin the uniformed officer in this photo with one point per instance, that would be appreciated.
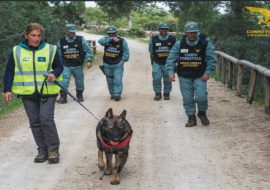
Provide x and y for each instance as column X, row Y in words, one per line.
column 159, row 48
column 196, row 60
column 73, row 49
column 116, row 53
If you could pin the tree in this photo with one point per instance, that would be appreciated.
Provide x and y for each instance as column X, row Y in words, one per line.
column 120, row 8
column 71, row 12
column 150, row 16
column 201, row 12
column 15, row 15
column 95, row 16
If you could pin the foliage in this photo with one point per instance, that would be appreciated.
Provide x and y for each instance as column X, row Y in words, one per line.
column 95, row 16
column 120, row 8
column 69, row 11
column 202, row 12
column 150, row 16
column 145, row 16
column 15, row 16
column 136, row 32
column 235, row 42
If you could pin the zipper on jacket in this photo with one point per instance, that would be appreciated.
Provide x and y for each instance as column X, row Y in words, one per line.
column 34, row 69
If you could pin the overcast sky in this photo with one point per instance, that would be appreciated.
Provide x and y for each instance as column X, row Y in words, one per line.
column 90, row 4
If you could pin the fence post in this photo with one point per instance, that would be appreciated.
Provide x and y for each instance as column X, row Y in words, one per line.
column 223, row 70
column 252, row 84
column 230, row 75
column 218, row 65
column 239, row 80
column 267, row 95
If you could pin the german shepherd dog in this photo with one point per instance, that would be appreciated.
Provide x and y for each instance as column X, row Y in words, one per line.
column 113, row 136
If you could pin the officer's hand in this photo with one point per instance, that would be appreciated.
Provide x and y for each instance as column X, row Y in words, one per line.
column 7, row 96
column 172, row 77
column 51, row 77
column 205, row 77
column 115, row 39
column 89, row 64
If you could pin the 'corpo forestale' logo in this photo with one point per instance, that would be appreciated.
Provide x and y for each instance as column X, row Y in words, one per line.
column 263, row 16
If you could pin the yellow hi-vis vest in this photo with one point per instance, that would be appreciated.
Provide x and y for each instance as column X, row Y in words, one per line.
column 30, row 67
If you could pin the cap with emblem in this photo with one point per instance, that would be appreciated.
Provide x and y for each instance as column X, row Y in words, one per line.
column 163, row 25
column 71, row 27
column 111, row 29
column 191, row 27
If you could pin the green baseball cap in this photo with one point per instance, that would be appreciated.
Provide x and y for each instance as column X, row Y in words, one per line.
column 191, row 27
column 71, row 27
column 163, row 25
column 111, row 29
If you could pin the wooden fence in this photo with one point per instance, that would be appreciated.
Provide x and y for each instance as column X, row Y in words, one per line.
column 227, row 62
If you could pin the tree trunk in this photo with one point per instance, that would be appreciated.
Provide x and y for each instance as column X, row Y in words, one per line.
column 129, row 20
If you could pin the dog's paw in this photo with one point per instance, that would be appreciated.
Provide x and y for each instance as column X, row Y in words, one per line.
column 115, row 179
column 115, row 182
column 101, row 167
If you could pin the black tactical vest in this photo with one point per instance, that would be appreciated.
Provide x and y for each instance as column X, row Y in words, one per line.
column 191, row 63
column 113, row 52
column 72, row 53
column 161, row 48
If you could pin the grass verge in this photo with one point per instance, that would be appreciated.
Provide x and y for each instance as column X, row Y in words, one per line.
column 10, row 106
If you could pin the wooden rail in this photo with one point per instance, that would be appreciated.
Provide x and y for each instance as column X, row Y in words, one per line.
column 226, row 62
column 92, row 45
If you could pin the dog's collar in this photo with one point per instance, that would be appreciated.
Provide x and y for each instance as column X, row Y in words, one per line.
column 119, row 146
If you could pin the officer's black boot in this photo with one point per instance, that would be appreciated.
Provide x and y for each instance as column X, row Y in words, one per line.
column 41, row 157
column 192, row 121
column 157, row 97
column 63, row 97
column 166, row 96
column 79, row 95
column 202, row 115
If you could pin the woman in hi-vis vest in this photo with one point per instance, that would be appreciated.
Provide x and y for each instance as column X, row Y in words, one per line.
column 27, row 65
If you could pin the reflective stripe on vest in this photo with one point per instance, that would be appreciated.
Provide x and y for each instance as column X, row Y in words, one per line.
column 27, row 77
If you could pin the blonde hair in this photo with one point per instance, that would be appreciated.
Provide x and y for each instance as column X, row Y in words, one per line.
column 34, row 26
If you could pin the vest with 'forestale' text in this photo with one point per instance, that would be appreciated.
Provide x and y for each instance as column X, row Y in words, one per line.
column 191, row 63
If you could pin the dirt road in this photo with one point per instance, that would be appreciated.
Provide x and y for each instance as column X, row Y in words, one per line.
column 233, row 153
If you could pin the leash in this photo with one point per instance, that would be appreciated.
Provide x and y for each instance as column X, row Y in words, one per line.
column 101, row 177
column 73, row 97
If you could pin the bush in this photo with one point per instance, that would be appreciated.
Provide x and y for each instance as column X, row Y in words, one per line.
column 138, row 32
column 153, row 25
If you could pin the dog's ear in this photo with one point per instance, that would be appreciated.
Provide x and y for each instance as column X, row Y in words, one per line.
column 109, row 113
column 123, row 114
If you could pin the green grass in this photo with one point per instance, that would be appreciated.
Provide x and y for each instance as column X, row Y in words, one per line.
column 10, row 106
column 216, row 76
